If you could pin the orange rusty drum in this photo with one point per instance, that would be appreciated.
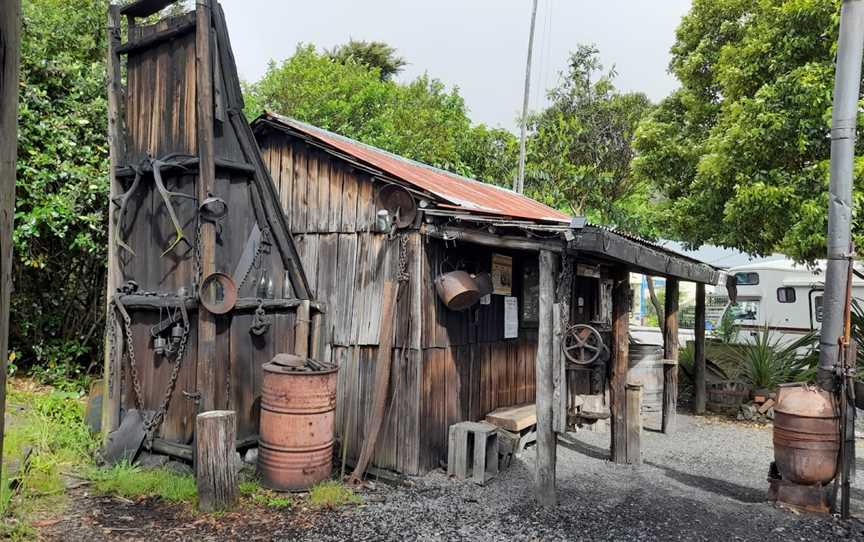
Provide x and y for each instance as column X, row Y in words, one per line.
column 297, row 420
column 806, row 434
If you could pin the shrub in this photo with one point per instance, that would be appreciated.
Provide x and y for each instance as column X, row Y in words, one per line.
column 767, row 363
column 331, row 494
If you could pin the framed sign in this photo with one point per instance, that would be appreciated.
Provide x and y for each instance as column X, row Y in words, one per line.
column 530, row 294
column 502, row 274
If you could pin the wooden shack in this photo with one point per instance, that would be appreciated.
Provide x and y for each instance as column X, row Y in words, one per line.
column 449, row 366
column 190, row 197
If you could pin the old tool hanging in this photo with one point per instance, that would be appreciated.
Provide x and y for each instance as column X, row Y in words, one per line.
column 260, row 323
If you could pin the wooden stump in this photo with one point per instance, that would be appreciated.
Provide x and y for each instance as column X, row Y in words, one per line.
column 215, row 437
column 633, row 401
column 670, row 395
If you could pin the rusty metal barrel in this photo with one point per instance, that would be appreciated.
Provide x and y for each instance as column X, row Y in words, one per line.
column 806, row 434
column 296, row 431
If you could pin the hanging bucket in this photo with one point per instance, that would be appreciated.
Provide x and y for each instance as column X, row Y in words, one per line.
column 457, row 290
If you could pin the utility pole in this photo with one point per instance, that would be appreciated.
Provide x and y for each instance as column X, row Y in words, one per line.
column 10, row 33
column 519, row 183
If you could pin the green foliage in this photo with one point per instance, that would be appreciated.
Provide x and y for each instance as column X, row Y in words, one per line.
column 375, row 55
column 49, row 425
column 580, row 147
column 331, row 494
column 857, row 315
column 421, row 120
column 726, row 329
column 59, row 236
column 768, row 363
column 740, row 151
column 131, row 481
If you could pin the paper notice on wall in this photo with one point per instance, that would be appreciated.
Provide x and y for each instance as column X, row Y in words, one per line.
column 511, row 317
column 502, row 274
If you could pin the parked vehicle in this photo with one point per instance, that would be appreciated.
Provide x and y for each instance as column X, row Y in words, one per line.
column 782, row 295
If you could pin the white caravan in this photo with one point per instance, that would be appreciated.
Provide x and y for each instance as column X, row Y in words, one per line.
column 785, row 296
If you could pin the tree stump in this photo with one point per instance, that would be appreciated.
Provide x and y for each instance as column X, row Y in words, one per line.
column 215, row 437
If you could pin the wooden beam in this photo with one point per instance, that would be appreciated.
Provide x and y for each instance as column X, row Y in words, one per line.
column 633, row 394
column 546, row 439
column 451, row 233
column 144, row 8
column 699, row 351
column 151, row 40
column 10, row 49
column 301, row 330
column 670, row 354
column 207, row 368
column 116, row 152
column 620, row 362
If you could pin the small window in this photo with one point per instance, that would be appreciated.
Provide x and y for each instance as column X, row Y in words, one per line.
column 817, row 308
column 744, row 310
column 746, row 279
column 786, row 295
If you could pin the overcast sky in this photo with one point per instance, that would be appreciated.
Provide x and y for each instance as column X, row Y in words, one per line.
column 477, row 45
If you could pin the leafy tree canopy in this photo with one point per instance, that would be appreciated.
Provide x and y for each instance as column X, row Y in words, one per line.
column 741, row 150
column 372, row 54
column 59, row 237
column 580, row 146
column 422, row 120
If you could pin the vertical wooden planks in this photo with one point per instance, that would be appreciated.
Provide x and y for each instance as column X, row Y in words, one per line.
column 345, row 291
column 337, row 197
column 350, row 188
column 323, row 182
column 313, row 182
column 286, row 177
column 328, row 283
column 298, row 195
column 546, row 439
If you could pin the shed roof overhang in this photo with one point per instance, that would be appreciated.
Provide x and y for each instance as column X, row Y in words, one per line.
column 641, row 256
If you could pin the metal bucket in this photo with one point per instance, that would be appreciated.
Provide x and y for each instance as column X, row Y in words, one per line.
column 646, row 368
column 297, row 421
column 457, row 290
column 806, row 435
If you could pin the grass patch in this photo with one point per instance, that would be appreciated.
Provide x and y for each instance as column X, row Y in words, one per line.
column 261, row 496
column 130, row 481
column 49, row 425
column 331, row 494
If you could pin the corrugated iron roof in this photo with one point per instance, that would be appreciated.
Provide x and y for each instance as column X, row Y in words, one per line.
column 459, row 192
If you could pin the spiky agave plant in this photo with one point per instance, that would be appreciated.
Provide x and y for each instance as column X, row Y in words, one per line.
column 768, row 363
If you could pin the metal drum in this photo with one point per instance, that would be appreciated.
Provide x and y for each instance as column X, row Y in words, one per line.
column 806, row 434
column 297, row 421
column 646, row 368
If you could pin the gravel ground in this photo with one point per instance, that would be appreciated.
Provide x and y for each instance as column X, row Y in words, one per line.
column 705, row 482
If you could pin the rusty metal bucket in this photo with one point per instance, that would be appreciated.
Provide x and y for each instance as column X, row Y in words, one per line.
column 806, row 435
column 457, row 290
column 297, row 421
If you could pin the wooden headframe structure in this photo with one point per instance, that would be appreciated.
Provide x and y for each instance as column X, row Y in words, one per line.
column 190, row 197
column 450, row 366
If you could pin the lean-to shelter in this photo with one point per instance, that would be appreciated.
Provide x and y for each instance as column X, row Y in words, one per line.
column 363, row 218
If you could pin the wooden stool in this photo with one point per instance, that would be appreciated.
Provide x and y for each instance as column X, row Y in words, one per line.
column 473, row 446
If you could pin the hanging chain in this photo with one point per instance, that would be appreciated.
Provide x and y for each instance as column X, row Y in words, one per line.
column 155, row 421
column 403, row 274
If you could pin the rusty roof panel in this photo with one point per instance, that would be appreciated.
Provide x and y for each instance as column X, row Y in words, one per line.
column 459, row 192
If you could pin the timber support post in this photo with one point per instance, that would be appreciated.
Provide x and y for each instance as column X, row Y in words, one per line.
column 10, row 33
column 670, row 355
column 620, row 363
column 699, row 351
column 633, row 394
column 301, row 330
column 216, row 460
column 113, row 367
column 546, row 437
column 208, row 364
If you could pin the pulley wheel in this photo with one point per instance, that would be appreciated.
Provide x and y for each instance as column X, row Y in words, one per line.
column 582, row 344
column 399, row 203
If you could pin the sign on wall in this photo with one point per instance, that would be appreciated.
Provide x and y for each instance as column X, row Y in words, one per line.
column 511, row 317
column 502, row 274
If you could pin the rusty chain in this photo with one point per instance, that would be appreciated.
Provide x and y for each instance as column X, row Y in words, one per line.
column 403, row 275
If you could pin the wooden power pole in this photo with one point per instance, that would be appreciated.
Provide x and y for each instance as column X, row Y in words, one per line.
column 10, row 33
column 519, row 183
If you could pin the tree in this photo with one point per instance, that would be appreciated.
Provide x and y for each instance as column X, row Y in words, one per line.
column 60, row 214
column 422, row 120
column 580, row 147
column 372, row 54
column 740, row 152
